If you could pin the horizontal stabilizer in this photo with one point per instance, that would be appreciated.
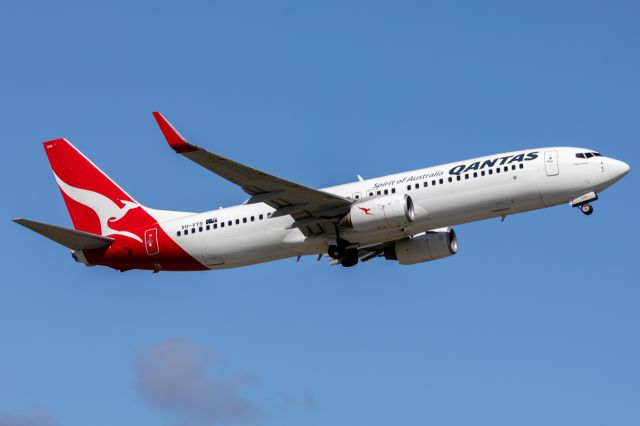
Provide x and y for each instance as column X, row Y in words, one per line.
column 75, row 240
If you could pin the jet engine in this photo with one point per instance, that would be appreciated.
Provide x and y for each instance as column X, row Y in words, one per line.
column 425, row 247
column 389, row 211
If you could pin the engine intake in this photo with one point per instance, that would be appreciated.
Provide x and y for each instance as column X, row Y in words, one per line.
column 431, row 245
column 389, row 211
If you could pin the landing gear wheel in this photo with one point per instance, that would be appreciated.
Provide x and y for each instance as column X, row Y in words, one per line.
column 586, row 209
column 350, row 258
column 335, row 252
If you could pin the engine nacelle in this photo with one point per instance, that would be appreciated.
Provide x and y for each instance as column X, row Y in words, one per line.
column 425, row 247
column 389, row 211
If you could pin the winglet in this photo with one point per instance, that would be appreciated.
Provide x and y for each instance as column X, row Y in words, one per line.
column 173, row 137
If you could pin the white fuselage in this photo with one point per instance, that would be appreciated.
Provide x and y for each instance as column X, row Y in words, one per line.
column 445, row 195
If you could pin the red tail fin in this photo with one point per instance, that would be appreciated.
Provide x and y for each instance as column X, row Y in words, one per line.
column 95, row 202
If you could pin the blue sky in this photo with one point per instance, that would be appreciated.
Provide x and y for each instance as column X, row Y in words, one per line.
column 535, row 321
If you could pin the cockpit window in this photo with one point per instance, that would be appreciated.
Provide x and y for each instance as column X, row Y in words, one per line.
column 588, row 154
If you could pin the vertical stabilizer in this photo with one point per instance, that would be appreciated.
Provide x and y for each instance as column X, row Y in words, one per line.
column 95, row 203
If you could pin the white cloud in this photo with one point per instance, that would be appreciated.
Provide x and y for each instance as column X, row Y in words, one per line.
column 174, row 376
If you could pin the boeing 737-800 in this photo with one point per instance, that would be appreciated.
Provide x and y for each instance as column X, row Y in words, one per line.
column 406, row 217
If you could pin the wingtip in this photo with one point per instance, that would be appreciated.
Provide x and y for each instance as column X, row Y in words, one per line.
column 22, row 221
column 173, row 137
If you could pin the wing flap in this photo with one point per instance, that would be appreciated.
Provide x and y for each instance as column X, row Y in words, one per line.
column 75, row 240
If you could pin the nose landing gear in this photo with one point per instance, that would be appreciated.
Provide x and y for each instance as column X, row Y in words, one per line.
column 583, row 202
column 586, row 209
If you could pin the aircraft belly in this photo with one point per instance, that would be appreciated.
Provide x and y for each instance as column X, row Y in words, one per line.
column 476, row 204
column 237, row 250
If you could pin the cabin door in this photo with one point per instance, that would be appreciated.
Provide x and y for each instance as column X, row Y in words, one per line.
column 551, row 163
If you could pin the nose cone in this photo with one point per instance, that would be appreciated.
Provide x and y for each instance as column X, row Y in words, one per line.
column 618, row 169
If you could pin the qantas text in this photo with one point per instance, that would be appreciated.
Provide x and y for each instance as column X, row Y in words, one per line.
column 479, row 165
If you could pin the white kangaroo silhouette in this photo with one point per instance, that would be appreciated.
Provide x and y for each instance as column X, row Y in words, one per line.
column 107, row 211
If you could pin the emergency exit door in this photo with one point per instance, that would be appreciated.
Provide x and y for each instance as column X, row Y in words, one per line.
column 551, row 163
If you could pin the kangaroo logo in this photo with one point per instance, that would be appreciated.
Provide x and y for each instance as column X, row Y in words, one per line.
column 107, row 211
column 366, row 211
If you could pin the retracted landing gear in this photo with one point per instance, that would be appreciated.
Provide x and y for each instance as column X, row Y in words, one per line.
column 586, row 209
column 336, row 252
column 350, row 258
column 346, row 256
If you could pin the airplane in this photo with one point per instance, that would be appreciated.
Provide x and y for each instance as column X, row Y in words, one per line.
column 405, row 217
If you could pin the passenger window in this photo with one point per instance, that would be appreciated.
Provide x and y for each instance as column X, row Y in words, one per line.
column 475, row 174
column 200, row 229
column 253, row 218
column 208, row 227
column 371, row 194
column 425, row 184
column 386, row 192
column 221, row 224
column 237, row 221
column 357, row 197
column 261, row 217
column 178, row 233
column 458, row 177
column 193, row 230
column 417, row 186
column 229, row 223
column 215, row 226
column 408, row 187
column 379, row 192
column 506, row 168
column 441, row 181
column 393, row 190
column 466, row 175
column 521, row 166
column 244, row 220
column 450, row 179
column 482, row 173
column 513, row 167
column 498, row 170
column 490, row 171
column 433, row 183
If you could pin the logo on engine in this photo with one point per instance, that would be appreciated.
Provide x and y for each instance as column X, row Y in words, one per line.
column 366, row 211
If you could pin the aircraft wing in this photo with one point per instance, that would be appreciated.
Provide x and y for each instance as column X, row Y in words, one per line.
column 308, row 206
